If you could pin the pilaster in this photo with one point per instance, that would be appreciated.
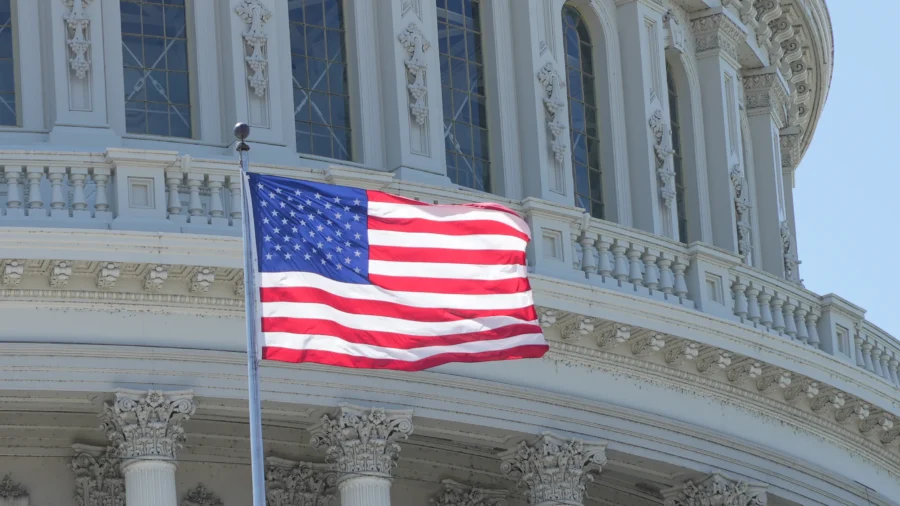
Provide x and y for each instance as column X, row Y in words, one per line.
column 642, row 38
column 717, row 36
column 716, row 490
column 552, row 470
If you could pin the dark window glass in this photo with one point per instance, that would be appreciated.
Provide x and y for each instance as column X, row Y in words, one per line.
column 463, row 94
column 155, row 57
column 7, row 67
column 583, row 125
column 677, row 157
column 319, row 71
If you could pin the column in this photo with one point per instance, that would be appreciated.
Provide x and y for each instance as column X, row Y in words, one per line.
column 716, row 489
column 362, row 445
column 647, row 127
column 765, row 97
column 145, row 431
column 552, row 470
column 718, row 35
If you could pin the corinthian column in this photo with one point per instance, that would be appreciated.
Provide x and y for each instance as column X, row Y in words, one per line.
column 554, row 471
column 362, row 446
column 145, row 431
column 716, row 490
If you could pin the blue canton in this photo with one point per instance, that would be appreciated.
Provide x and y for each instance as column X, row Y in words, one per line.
column 310, row 227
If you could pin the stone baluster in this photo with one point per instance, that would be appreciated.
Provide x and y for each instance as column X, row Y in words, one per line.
column 101, row 179
column 740, row 299
column 604, row 267
column 790, row 325
column 78, row 178
column 588, row 262
column 635, row 276
column 867, row 355
column 173, row 181
column 195, row 207
column 234, row 185
column 765, row 308
column 678, row 268
column 13, row 195
column 893, row 364
column 57, row 175
column 145, row 432
column 812, row 328
column 885, row 357
column 753, row 311
column 876, row 358
column 800, row 322
column 651, row 272
column 778, row 313
column 35, row 202
column 621, row 263
column 858, row 340
column 666, row 277
column 554, row 471
column 215, row 183
column 362, row 445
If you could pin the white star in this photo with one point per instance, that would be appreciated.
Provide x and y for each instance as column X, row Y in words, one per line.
column 328, row 222
column 356, row 202
column 287, row 239
column 274, row 213
column 266, row 221
column 339, row 233
column 293, row 214
column 308, row 202
column 294, row 229
column 323, row 261
column 347, row 260
column 356, row 270
column 302, row 223
column 277, row 247
column 300, row 206
column 268, row 238
column 356, row 236
column 307, row 256
column 318, row 196
column 327, row 205
column 268, row 256
column 310, row 217
column 357, row 253
column 297, row 192
column 337, row 216
column 320, row 228
column 338, row 266
column 355, row 217
column 259, row 185
column 339, row 249
column 337, row 200
column 347, row 226
column 271, row 195
column 320, row 245
column 297, row 247
column 347, row 208
column 277, row 190
column 284, row 221
column 328, row 256
column 282, row 205
column 347, row 244
column 276, row 230
column 318, row 211
column 287, row 256
column 312, row 233
column 328, row 239
column 264, row 204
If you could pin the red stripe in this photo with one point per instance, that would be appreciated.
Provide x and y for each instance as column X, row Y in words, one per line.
column 388, row 309
column 446, row 256
column 311, row 326
column 462, row 227
column 454, row 286
column 377, row 196
column 342, row 360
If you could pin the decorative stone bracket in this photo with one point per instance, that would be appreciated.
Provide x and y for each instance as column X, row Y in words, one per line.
column 413, row 41
column 662, row 149
column 554, row 102
column 78, row 25
column 142, row 425
column 256, row 15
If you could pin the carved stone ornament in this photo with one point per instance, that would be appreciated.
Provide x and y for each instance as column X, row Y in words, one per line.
column 662, row 149
column 13, row 493
column 553, row 86
column 790, row 150
column 790, row 255
column 147, row 424
column 13, row 271
column 363, row 441
column 413, row 41
column 256, row 15
column 767, row 92
column 203, row 279
column 200, row 496
column 716, row 490
column 554, row 470
column 717, row 32
column 674, row 32
column 457, row 494
column 108, row 275
column 78, row 25
column 98, row 480
column 742, row 211
column 60, row 273
column 156, row 277
column 298, row 483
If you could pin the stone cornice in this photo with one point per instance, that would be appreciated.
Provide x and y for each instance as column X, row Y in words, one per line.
column 718, row 30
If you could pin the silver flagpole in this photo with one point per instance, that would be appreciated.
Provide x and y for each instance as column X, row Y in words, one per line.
column 241, row 132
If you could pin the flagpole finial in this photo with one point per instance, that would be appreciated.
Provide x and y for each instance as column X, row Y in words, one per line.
column 241, row 133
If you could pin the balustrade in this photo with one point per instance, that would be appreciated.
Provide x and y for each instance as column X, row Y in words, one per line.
column 55, row 195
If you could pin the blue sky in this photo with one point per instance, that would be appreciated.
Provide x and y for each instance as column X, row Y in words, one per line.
column 847, row 195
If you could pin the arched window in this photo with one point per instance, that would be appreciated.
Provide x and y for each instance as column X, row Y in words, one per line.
column 583, row 126
column 155, row 60
column 677, row 156
column 319, row 64
column 463, row 93
column 8, row 114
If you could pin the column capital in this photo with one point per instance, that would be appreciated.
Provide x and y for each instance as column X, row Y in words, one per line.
column 716, row 490
column 554, row 470
column 98, row 478
column 766, row 92
column 716, row 31
column 298, row 483
column 361, row 440
column 457, row 494
column 143, row 425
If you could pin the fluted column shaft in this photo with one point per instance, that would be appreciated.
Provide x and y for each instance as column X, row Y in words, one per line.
column 149, row 483
column 365, row 491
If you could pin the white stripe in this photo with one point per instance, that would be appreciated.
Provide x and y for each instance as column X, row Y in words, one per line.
column 445, row 213
column 338, row 345
column 414, row 299
column 447, row 271
column 451, row 242
column 384, row 323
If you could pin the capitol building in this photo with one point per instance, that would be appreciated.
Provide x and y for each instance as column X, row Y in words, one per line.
column 651, row 145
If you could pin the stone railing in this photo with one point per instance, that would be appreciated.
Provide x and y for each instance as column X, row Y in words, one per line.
column 160, row 191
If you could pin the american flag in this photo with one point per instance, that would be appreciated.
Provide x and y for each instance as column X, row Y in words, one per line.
column 358, row 278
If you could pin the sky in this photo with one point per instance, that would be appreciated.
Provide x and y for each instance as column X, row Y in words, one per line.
column 847, row 194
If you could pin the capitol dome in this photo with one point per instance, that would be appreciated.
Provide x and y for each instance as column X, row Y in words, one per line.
column 649, row 144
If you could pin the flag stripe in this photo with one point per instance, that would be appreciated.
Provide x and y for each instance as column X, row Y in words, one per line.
column 446, row 214
column 467, row 227
column 440, row 255
column 313, row 326
column 448, row 270
column 450, row 286
column 390, row 309
column 470, row 242
column 376, row 198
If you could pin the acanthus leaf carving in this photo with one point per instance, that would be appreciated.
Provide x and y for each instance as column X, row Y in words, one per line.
column 291, row 483
column 78, row 26
column 617, row 334
column 552, row 84
column 98, row 478
column 413, row 41
column 457, row 494
column 147, row 424
column 742, row 212
column 662, row 149
column 200, row 496
column 10, row 489
column 256, row 15
column 554, row 470
column 716, row 490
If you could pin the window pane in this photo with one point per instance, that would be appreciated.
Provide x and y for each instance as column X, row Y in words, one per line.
column 463, row 93
column 321, row 97
column 7, row 67
column 583, row 126
column 154, row 54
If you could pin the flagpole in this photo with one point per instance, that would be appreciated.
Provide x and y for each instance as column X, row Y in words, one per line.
column 241, row 132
